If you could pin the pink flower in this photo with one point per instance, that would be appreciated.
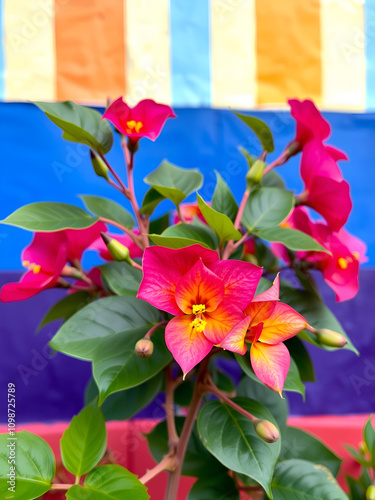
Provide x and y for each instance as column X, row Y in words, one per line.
column 206, row 295
column 266, row 325
column 310, row 123
column 80, row 239
column 45, row 259
column 325, row 190
column 340, row 270
column 146, row 119
column 189, row 211
column 124, row 239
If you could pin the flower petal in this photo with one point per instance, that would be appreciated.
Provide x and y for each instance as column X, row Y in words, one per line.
column 316, row 160
column 29, row 285
column 49, row 250
column 282, row 324
column 310, row 123
column 235, row 340
column 221, row 321
column 270, row 364
column 162, row 270
column 260, row 311
column 271, row 294
column 187, row 345
column 240, row 279
column 199, row 286
column 80, row 239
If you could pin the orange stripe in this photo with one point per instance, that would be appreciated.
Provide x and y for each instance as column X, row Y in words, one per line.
column 90, row 51
column 288, row 50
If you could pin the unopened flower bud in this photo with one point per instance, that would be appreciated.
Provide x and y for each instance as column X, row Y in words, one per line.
column 144, row 348
column 266, row 431
column 99, row 166
column 255, row 174
column 293, row 148
column 370, row 493
column 118, row 251
column 330, row 338
column 363, row 448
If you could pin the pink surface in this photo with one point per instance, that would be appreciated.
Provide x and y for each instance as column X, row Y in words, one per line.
column 128, row 447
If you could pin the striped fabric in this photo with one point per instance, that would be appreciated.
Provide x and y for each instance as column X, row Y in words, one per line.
column 190, row 53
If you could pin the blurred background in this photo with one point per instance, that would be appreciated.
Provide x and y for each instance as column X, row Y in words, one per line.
column 204, row 58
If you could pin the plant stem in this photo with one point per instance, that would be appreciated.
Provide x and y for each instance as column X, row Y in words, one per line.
column 154, row 328
column 168, row 463
column 61, row 486
column 124, row 189
column 276, row 163
column 229, row 249
column 131, row 235
column 169, row 408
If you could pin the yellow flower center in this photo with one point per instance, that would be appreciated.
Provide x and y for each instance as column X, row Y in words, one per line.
column 343, row 263
column 199, row 324
column 133, row 126
column 36, row 268
column 199, row 308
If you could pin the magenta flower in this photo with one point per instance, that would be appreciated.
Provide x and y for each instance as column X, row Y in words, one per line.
column 325, row 190
column 189, row 211
column 45, row 259
column 206, row 295
column 340, row 270
column 124, row 239
column 80, row 239
column 146, row 119
column 310, row 123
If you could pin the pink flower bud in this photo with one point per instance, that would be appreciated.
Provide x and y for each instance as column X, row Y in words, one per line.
column 266, row 431
column 144, row 348
column 330, row 338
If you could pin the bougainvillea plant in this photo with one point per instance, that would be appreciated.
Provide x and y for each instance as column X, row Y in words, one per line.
column 181, row 298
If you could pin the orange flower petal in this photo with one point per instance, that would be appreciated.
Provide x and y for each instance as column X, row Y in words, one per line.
column 235, row 340
column 221, row 321
column 282, row 324
column 270, row 364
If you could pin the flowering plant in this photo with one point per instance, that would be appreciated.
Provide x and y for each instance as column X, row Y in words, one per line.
column 181, row 294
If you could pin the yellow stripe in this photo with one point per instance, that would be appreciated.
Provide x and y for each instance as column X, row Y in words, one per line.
column 343, row 54
column 148, row 51
column 233, row 53
column 29, row 50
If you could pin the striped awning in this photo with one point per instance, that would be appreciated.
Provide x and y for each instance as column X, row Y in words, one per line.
column 190, row 53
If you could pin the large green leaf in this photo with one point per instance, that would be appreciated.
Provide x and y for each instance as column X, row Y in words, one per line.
column 121, row 278
column 220, row 487
column 293, row 382
column 261, row 130
column 94, row 325
column 151, row 201
column 223, row 200
column 302, row 359
column 66, row 307
column 34, row 466
column 160, row 224
column 80, row 124
column 173, row 182
column 231, row 438
column 198, row 462
column 297, row 443
column 183, row 235
column 220, row 223
column 317, row 314
column 109, row 482
column 103, row 207
column 356, row 490
column 273, row 179
column 125, row 404
column 267, row 207
column 116, row 366
column 291, row 238
column 84, row 442
column 49, row 216
column 302, row 480
column 277, row 406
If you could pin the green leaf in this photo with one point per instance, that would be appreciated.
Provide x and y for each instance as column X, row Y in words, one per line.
column 223, row 200
column 267, row 207
column 84, row 442
column 49, row 216
column 184, row 235
column 160, row 224
column 34, row 466
column 96, row 324
column 121, row 278
column 173, row 182
column 293, row 381
column 264, row 256
column 103, row 207
column 116, row 366
column 220, row 487
column 109, row 482
column 307, row 281
column 231, row 438
column 356, row 490
column 302, row 359
column 358, row 457
column 66, row 307
column 369, row 434
column 151, row 201
column 291, row 238
column 316, row 313
column 273, row 179
column 220, row 223
column 80, row 124
column 297, row 443
column 260, row 129
column 277, row 406
column 125, row 404
column 303, row 480
column 184, row 393
column 198, row 461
